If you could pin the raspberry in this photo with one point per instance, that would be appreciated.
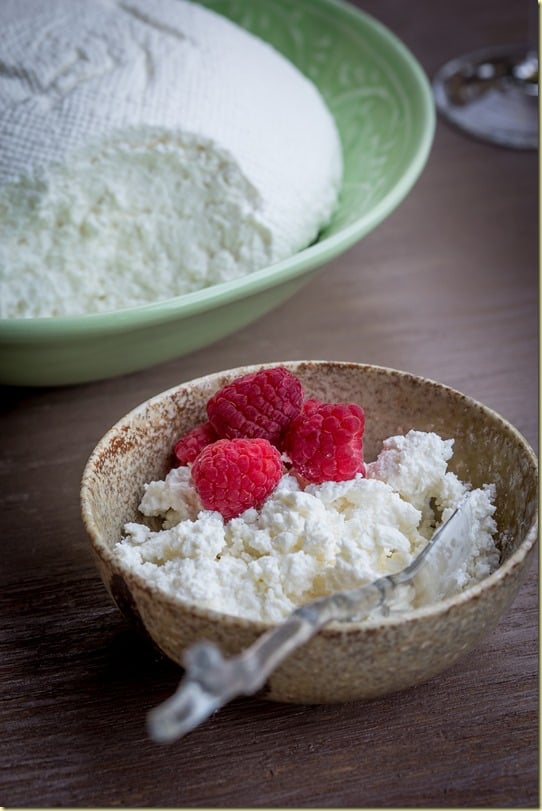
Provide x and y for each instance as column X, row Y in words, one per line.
column 310, row 405
column 257, row 405
column 325, row 442
column 232, row 475
column 190, row 444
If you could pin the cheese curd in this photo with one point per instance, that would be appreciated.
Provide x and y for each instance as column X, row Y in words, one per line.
column 148, row 150
column 305, row 543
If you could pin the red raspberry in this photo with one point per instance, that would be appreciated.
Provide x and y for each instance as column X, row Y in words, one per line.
column 310, row 405
column 325, row 442
column 260, row 404
column 190, row 444
column 232, row 475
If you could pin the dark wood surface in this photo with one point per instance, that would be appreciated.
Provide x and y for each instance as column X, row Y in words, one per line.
column 446, row 288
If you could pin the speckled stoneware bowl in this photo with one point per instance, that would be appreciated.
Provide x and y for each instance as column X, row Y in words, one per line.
column 344, row 661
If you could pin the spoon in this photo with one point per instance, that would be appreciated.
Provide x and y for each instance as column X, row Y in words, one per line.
column 211, row 681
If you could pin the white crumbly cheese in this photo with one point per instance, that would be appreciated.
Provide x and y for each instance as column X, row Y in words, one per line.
column 303, row 544
column 148, row 150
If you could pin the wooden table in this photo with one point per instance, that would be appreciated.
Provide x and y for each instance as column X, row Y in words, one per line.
column 446, row 288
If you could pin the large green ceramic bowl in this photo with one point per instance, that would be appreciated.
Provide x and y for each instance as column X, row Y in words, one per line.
column 383, row 106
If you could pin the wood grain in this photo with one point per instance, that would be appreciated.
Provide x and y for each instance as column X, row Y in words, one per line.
column 447, row 288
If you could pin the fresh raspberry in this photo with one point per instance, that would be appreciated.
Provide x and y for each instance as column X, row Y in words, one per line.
column 190, row 444
column 310, row 405
column 232, row 475
column 257, row 405
column 325, row 442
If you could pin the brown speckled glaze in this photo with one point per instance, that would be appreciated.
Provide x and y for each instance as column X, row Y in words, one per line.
column 345, row 661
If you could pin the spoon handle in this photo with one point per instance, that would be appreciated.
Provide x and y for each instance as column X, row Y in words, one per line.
column 210, row 680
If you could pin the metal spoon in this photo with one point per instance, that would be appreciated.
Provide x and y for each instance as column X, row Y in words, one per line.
column 210, row 680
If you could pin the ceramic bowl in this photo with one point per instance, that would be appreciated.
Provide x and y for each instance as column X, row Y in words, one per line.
column 344, row 661
column 383, row 107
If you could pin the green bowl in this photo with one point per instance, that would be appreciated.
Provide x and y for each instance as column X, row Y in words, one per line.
column 384, row 110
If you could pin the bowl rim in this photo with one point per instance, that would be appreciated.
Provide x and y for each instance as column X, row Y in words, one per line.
column 25, row 330
column 333, row 628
